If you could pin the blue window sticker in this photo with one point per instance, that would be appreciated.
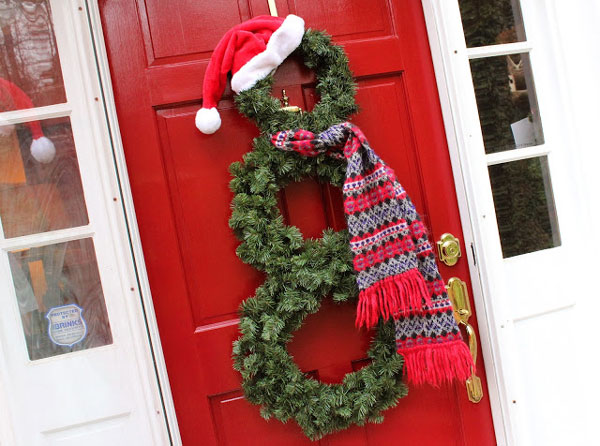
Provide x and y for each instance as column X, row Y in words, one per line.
column 66, row 325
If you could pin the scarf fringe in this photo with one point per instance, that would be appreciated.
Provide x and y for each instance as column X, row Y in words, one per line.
column 438, row 364
column 396, row 295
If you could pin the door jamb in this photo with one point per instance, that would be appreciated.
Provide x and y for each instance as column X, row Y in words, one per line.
column 97, row 36
column 477, row 214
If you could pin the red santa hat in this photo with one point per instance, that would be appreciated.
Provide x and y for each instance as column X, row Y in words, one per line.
column 13, row 98
column 251, row 51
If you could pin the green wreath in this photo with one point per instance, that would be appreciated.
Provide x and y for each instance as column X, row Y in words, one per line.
column 300, row 273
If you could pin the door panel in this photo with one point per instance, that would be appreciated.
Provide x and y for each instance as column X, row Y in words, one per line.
column 363, row 18
column 201, row 202
column 229, row 408
column 173, row 26
column 180, row 179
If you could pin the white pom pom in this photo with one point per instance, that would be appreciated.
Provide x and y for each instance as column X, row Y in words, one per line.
column 208, row 120
column 43, row 150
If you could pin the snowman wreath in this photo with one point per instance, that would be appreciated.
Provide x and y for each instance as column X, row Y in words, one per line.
column 384, row 258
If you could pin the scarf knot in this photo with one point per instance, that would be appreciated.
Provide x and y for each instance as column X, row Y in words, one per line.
column 396, row 272
column 338, row 141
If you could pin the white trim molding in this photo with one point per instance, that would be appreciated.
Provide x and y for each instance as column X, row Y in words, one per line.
column 132, row 230
column 533, row 309
column 469, row 165
column 97, row 394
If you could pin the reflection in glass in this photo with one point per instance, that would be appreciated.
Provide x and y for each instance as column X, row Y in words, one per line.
column 507, row 103
column 489, row 22
column 60, row 298
column 524, row 205
column 28, row 54
column 39, row 196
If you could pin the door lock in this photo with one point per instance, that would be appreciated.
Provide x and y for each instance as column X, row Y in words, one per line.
column 459, row 296
column 448, row 249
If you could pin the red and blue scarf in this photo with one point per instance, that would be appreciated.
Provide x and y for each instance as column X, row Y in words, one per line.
column 395, row 266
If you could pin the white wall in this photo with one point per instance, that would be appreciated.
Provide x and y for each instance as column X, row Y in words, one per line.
column 579, row 32
column 557, row 353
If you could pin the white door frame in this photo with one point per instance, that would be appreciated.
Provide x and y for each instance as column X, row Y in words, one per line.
column 495, row 346
column 492, row 344
column 130, row 375
column 498, row 310
column 96, row 33
column 465, row 145
column 475, row 205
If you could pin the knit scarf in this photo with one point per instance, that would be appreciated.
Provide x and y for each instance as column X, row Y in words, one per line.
column 396, row 271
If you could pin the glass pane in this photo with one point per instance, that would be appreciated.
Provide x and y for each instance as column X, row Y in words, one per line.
column 39, row 196
column 507, row 103
column 524, row 206
column 60, row 298
column 489, row 22
column 30, row 74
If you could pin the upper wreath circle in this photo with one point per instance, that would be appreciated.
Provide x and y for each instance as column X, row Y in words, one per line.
column 269, row 170
column 335, row 87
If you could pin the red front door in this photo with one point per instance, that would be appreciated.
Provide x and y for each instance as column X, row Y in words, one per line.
column 158, row 53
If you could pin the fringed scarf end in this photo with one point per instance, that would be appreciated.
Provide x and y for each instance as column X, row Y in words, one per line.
column 396, row 295
column 438, row 364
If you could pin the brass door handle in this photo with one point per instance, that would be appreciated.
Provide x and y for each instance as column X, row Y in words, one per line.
column 459, row 296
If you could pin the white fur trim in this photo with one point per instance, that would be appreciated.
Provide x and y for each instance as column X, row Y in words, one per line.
column 43, row 150
column 208, row 120
column 282, row 43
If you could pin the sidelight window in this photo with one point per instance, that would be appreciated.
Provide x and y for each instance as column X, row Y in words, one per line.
column 511, row 125
column 45, row 233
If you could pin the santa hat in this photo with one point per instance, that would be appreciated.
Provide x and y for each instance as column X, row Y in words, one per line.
column 12, row 97
column 251, row 51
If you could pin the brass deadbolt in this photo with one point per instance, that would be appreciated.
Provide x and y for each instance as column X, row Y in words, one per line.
column 448, row 249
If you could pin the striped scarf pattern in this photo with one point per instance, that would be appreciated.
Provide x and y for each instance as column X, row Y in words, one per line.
column 396, row 271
